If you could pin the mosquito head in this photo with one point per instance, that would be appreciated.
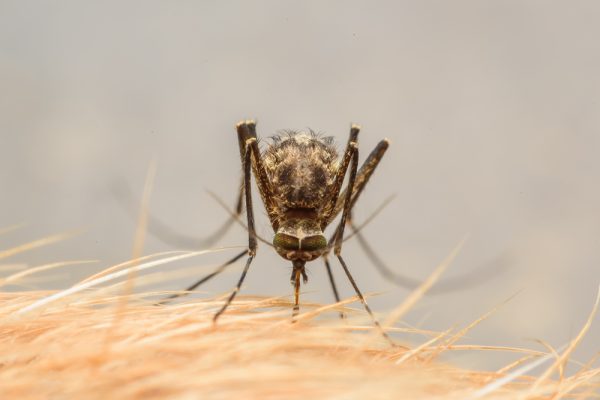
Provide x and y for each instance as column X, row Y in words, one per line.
column 300, row 239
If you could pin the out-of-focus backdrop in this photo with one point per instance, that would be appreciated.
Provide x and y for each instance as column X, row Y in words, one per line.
column 492, row 109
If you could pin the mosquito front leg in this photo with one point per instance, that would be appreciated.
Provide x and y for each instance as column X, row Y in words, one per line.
column 329, row 209
column 251, row 229
column 247, row 130
column 339, row 232
column 339, row 238
column 362, row 177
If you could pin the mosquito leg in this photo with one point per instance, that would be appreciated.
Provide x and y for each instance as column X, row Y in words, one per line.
column 248, row 129
column 384, row 270
column 458, row 282
column 163, row 232
column 363, row 301
column 330, row 208
column 208, row 277
column 362, row 177
column 332, row 282
column 236, row 216
column 252, row 244
column 331, row 242
column 339, row 236
column 235, row 291
column 463, row 281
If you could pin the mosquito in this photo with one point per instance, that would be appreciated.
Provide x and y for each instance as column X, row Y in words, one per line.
column 299, row 176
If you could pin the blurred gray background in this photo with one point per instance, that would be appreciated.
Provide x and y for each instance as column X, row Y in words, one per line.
column 491, row 107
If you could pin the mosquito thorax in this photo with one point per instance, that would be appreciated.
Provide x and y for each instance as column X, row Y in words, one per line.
column 300, row 239
column 301, row 167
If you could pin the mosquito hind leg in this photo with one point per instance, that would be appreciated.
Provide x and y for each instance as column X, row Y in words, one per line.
column 165, row 233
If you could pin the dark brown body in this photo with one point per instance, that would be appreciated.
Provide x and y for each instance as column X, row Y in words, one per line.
column 301, row 167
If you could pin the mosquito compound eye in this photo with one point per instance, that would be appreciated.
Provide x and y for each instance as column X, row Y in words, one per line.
column 286, row 242
column 313, row 243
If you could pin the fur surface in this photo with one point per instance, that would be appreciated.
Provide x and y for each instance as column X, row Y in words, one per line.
column 96, row 345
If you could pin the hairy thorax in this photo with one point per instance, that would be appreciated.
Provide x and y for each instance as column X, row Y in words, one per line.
column 302, row 167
